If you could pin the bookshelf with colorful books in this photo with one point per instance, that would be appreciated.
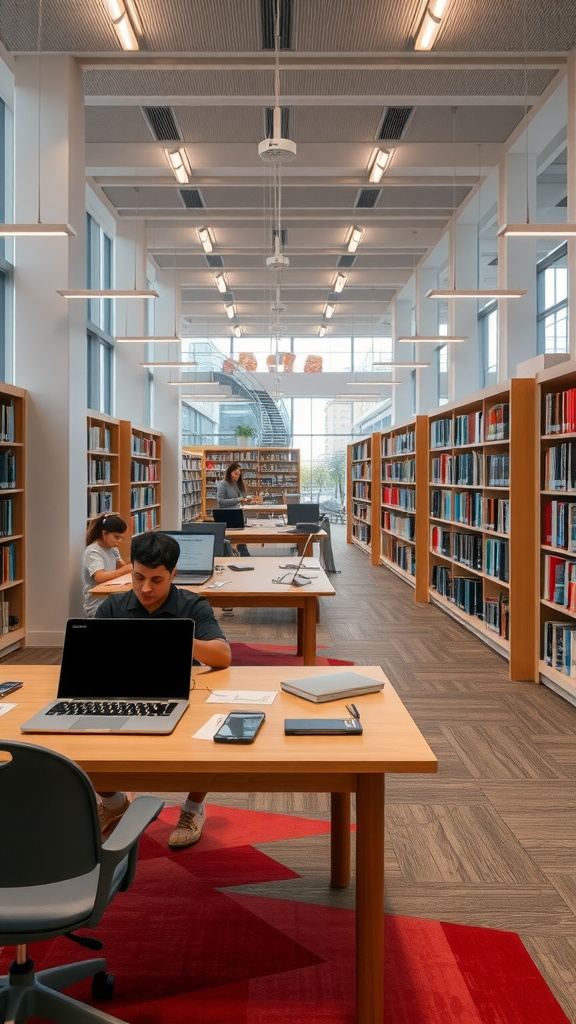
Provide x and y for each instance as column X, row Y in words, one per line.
column 556, row 623
column 403, row 501
column 269, row 472
column 103, row 465
column 140, row 477
column 363, row 477
column 482, row 493
column 12, row 482
column 193, row 501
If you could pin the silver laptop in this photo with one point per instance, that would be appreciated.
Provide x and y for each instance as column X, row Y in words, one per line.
column 196, row 561
column 121, row 676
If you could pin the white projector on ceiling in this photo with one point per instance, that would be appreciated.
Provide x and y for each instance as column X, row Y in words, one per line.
column 277, row 151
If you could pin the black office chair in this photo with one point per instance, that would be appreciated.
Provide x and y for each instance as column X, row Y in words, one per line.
column 57, row 875
column 219, row 531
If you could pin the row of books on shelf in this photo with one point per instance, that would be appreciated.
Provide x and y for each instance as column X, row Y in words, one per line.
column 4, row 617
column 468, row 428
column 441, row 433
column 146, row 447
column 498, row 422
column 472, row 427
column 360, row 451
column 461, row 470
column 278, row 456
column 284, row 480
column 497, row 559
column 560, row 412
column 559, row 581
column 362, row 532
column 463, row 591
column 99, row 438
column 6, row 517
column 142, row 496
column 559, row 524
column 403, row 555
column 8, row 469
column 467, row 549
column 560, row 467
column 497, row 615
column 191, row 487
column 7, row 421
column 361, row 471
column 560, row 647
column 401, row 497
column 223, row 458
column 99, row 471
column 399, row 444
column 99, row 502
column 362, row 512
column 361, row 490
column 403, row 471
column 400, row 526
column 143, row 471
column 145, row 520
column 470, row 508
column 496, row 514
column 8, row 563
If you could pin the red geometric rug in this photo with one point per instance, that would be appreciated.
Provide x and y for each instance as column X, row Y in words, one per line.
column 274, row 654
column 185, row 951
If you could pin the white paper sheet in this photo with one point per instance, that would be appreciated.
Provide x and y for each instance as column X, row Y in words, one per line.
column 6, row 707
column 206, row 731
column 242, row 697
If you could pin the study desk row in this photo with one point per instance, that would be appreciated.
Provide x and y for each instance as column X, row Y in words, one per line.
column 274, row 763
column 257, row 589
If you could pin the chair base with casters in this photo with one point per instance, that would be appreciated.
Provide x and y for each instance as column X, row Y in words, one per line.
column 52, row 888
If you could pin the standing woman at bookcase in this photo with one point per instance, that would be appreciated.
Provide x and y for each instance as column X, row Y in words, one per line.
column 102, row 561
column 231, row 493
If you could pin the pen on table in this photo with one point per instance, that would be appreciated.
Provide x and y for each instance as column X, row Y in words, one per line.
column 353, row 710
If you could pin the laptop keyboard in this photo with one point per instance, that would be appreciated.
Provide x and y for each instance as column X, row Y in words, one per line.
column 115, row 708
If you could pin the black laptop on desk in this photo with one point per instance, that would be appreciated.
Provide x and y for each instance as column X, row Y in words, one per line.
column 120, row 676
column 233, row 517
column 302, row 512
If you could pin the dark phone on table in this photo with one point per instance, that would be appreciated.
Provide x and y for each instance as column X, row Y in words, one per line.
column 240, row 568
column 9, row 687
column 239, row 727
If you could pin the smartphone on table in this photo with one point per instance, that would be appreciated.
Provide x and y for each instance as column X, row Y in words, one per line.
column 239, row 727
column 9, row 687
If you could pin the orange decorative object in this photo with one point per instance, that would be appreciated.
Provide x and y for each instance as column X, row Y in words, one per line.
column 247, row 360
column 313, row 364
column 229, row 365
column 288, row 361
column 271, row 363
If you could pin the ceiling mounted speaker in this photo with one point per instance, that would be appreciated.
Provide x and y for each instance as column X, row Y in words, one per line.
column 277, row 151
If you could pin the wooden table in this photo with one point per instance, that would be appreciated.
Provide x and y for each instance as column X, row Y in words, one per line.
column 274, row 763
column 256, row 590
column 264, row 532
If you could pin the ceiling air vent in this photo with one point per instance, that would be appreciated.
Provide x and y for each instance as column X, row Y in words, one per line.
column 267, row 12
column 162, row 124
column 367, row 198
column 395, row 122
column 345, row 261
column 191, row 198
column 214, row 261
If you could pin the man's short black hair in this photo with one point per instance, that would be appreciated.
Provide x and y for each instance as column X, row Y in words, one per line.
column 154, row 549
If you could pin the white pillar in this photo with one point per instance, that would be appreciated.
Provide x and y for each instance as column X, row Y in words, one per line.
column 404, row 325
column 517, row 263
column 464, row 357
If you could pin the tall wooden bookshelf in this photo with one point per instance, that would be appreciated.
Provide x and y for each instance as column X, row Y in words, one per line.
column 266, row 472
column 193, row 500
column 482, row 488
column 12, row 484
column 124, row 472
column 404, row 503
column 363, row 499
column 556, row 548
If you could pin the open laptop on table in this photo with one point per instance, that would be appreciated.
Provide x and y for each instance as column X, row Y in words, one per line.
column 302, row 512
column 196, row 561
column 120, row 676
column 233, row 517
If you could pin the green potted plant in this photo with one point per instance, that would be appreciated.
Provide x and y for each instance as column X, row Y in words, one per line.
column 244, row 431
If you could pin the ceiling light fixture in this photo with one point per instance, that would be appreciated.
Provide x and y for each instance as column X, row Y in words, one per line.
column 354, row 239
column 476, row 293
column 31, row 230
column 165, row 366
column 230, row 310
column 328, row 310
column 339, row 282
column 378, row 164
column 206, row 239
column 124, row 24
column 437, row 339
column 178, row 160
column 394, row 365
column 214, row 398
column 430, row 24
column 237, row 331
column 356, row 397
column 141, row 339
column 321, row 331
column 535, row 230
column 111, row 293
column 221, row 283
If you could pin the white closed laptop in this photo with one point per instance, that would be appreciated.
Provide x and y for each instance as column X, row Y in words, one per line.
column 121, row 676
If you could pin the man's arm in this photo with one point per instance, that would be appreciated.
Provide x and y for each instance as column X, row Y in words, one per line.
column 214, row 653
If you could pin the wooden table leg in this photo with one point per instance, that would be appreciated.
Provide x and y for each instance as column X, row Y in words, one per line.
column 370, row 899
column 300, row 629
column 309, row 639
column 340, row 840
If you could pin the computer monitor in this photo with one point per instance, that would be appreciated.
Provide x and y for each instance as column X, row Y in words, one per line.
column 233, row 517
column 302, row 512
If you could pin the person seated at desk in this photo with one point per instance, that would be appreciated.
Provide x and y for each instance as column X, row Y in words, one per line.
column 231, row 493
column 154, row 557
column 102, row 560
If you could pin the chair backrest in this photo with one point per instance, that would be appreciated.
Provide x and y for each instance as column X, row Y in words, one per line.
column 291, row 499
column 49, row 815
column 218, row 529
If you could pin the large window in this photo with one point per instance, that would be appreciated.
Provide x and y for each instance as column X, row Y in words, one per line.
column 442, row 373
column 100, row 366
column 488, row 333
column 100, row 314
column 552, row 300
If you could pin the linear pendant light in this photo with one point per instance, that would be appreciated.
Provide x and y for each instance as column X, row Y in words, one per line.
column 536, row 230
column 36, row 230
column 413, row 366
column 159, row 364
column 109, row 293
column 432, row 339
column 476, row 293
column 140, row 339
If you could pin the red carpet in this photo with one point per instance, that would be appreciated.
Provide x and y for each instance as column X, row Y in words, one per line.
column 182, row 951
column 274, row 654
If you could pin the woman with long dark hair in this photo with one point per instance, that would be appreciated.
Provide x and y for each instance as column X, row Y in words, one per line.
column 102, row 560
column 231, row 493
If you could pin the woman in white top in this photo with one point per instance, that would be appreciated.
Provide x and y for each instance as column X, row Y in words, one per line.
column 102, row 561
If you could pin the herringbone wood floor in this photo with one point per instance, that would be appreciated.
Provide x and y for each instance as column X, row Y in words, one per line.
column 488, row 841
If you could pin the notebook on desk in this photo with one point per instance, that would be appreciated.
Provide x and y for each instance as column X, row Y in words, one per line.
column 120, row 676
column 196, row 562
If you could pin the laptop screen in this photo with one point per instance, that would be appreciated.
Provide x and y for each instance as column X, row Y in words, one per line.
column 308, row 512
column 233, row 517
column 152, row 658
column 196, row 551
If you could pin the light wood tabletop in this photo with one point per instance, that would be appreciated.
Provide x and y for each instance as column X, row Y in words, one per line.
column 339, row 765
column 262, row 531
column 255, row 589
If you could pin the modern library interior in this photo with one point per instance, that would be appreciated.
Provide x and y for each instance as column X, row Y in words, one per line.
column 333, row 241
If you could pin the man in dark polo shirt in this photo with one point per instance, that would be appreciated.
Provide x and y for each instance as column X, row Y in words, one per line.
column 154, row 557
